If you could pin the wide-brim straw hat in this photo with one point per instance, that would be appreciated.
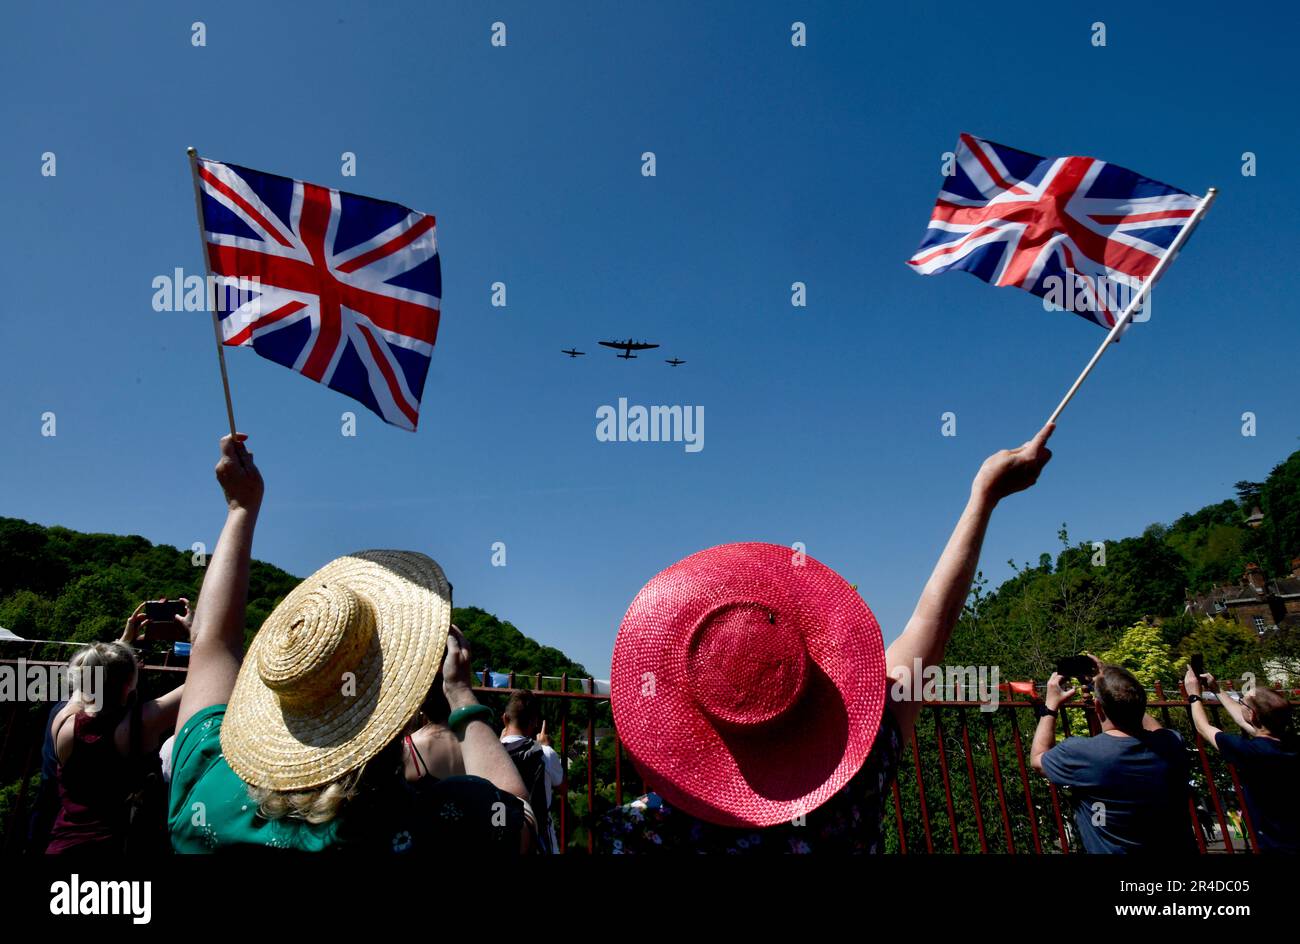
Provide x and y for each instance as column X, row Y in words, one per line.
column 748, row 684
column 337, row 670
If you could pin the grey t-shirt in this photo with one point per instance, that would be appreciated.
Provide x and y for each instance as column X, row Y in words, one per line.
column 1130, row 793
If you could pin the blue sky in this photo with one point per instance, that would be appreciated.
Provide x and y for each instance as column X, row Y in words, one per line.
column 774, row 164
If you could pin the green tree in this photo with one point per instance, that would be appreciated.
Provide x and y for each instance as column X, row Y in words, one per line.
column 1142, row 651
column 1279, row 499
column 1230, row 649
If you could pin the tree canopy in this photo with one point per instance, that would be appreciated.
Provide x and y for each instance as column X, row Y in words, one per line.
column 60, row 584
column 1126, row 597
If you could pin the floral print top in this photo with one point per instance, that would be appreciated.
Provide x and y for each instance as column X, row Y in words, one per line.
column 849, row 822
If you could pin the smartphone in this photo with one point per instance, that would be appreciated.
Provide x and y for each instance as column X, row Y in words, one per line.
column 159, row 625
column 164, row 610
column 1197, row 662
column 1077, row 667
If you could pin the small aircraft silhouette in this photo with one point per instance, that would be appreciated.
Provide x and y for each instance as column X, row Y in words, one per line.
column 572, row 353
column 674, row 362
column 627, row 347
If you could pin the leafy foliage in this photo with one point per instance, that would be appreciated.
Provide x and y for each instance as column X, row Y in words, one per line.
column 499, row 646
column 66, row 585
column 1142, row 650
column 1093, row 594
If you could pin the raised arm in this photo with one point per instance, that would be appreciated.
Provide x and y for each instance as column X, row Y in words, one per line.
column 218, row 631
column 1232, row 706
column 479, row 746
column 159, row 715
column 1201, row 717
column 1045, row 730
column 928, row 631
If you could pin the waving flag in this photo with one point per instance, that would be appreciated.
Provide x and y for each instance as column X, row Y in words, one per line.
column 1076, row 226
column 344, row 289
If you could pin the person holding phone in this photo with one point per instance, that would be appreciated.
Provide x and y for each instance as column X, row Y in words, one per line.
column 1265, row 755
column 163, row 620
column 1129, row 783
column 105, row 742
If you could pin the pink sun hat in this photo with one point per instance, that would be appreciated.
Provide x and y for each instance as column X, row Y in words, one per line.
column 748, row 683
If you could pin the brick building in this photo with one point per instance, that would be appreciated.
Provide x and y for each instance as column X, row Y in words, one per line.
column 1256, row 602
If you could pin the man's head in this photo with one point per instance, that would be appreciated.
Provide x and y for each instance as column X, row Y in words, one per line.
column 1120, row 697
column 1268, row 711
column 523, row 715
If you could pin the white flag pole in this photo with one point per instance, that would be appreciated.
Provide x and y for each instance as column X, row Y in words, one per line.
column 208, row 294
column 1137, row 299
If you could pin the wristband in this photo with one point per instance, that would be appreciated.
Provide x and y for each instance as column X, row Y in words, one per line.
column 1193, row 699
column 462, row 716
column 1042, row 711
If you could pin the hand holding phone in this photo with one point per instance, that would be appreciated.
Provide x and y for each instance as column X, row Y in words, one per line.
column 1081, row 667
column 167, row 620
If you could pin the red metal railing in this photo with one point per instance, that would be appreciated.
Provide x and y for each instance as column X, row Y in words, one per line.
column 1023, row 807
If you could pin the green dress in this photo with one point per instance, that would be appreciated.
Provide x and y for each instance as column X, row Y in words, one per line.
column 210, row 809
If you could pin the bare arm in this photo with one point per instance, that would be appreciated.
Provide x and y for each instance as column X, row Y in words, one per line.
column 1200, row 716
column 1232, row 707
column 1044, row 740
column 479, row 746
column 927, row 633
column 159, row 716
column 218, row 631
column 1045, row 732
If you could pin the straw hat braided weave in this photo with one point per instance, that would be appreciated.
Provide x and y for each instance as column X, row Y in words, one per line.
column 337, row 670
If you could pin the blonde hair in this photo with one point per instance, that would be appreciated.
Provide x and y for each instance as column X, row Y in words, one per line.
column 322, row 804
column 317, row 805
column 113, row 667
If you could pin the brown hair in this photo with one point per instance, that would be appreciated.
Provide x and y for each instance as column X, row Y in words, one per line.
column 1272, row 711
column 523, row 711
column 1121, row 697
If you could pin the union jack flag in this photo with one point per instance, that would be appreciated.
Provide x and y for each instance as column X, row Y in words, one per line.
column 344, row 289
column 1043, row 223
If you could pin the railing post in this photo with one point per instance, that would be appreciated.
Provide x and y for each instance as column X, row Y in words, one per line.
column 1210, row 788
column 947, row 783
column 1251, row 837
column 618, row 769
column 564, row 756
column 997, row 779
column 898, row 813
column 1030, row 810
column 920, row 792
column 974, row 788
column 591, row 770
